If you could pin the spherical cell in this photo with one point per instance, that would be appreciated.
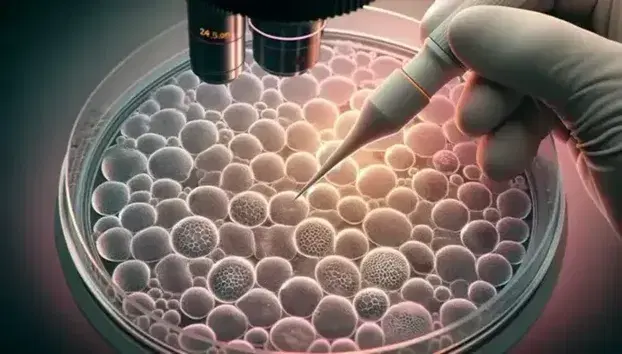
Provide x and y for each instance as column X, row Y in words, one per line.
column 402, row 199
column 422, row 214
column 494, row 269
column 240, row 116
column 149, row 107
column 131, row 276
column 120, row 163
column 455, row 262
column 188, row 80
column 385, row 268
column 110, row 197
column 320, row 112
column 272, row 272
column 246, row 88
column 199, row 282
column 361, row 75
column 344, row 123
column 352, row 209
column 323, row 196
column 269, row 113
column 399, row 157
column 268, row 167
column 236, row 178
column 472, row 172
column 406, row 321
column 438, row 111
column 383, row 66
column 198, row 135
column 369, row 335
column 150, row 244
column 170, row 211
column 140, row 197
column 513, row 251
column 239, row 346
column 245, row 146
column 140, row 182
column 358, row 99
column 169, row 96
column 248, row 209
column 301, row 166
column 387, row 227
column 515, row 203
column 209, row 202
column 343, row 345
column 446, row 162
column 196, row 303
column 284, row 209
column 230, row 278
column 168, row 122
column 228, row 322
column 214, row 158
column 270, row 81
column 236, row 240
column 263, row 189
column 269, row 133
column 224, row 135
column 213, row 97
column 376, row 181
column 290, row 110
column 135, row 126
column 299, row 89
column 173, row 273
column 442, row 293
column 430, row 185
column 319, row 345
column 454, row 310
column 194, row 236
column 302, row 136
column 321, row 72
column 466, row 153
column 261, row 307
column 417, row 290
column 106, row 223
column 424, row 139
column 299, row 296
column 337, row 89
column 257, row 336
column 199, row 267
column 342, row 65
column 315, row 237
column 371, row 304
column 475, row 196
column 422, row 233
column 344, row 173
column 479, row 236
column 165, row 188
column 137, row 216
column 137, row 304
column 453, row 134
column 351, row 243
column 450, row 214
column 171, row 162
column 272, row 98
column 419, row 255
column 481, row 292
column 334, row 317
column 292, row 334
column 150, row 143
column 338, row 275
column 195, row 112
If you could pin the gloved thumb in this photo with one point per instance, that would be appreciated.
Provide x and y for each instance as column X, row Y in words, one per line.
column 576, row 72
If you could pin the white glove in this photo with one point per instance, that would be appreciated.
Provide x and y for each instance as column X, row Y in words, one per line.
column 517, row 54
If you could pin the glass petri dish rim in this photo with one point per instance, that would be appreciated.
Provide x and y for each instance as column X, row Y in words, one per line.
column 70, row 191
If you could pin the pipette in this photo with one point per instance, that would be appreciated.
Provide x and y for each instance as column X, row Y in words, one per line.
column 406, row 91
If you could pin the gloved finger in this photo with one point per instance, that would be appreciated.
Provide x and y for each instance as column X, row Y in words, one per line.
column 435, row 15
column 484, row 105
column 509, row 149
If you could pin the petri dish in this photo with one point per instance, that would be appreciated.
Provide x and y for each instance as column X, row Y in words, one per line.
column 505, row 234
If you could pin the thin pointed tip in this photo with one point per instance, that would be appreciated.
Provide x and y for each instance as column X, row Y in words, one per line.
column 300, row 193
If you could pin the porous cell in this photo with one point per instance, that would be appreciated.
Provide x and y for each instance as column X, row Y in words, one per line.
column 230, row 278
column 371, row 304
column 406, row 321
column 194, row 236
column 385, row 268
column 315, row 237
column 338, row 275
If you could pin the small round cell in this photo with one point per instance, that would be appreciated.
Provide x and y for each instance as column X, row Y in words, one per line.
column 196, row 303
column 272, row 272
column 292, row 334
column 450, row 214
column 371, row 304
column 246, row 88
column 213, row 97
column 208, row 201
column 466, row 153
column 248, row 208
column 338, row 275
column 284, row 209
column 321, row 72
column 369, row 335
column 357, row 100
column 494, row 269
column 454, row 310
column 301, row 166
column 315, row 237
column 342, row 65
column 345, row 122
column 131, row 275
column 445, row 161
column 351, row 243
column 430, row 185
column 479, row 236
column 515, row 203
column 173, row 273
column 149, row 107
column 198, row 135
column 417, row 290
column 385, row 268
column 387, row 227
column 480, row 292
column 399, row 157
column 302, row 136
column 352, row 209
column 337, row 89
column 168, row 122
column 299, row 296
column 110, row 197
column 455, row 262
column 514, row 252
column 424, row 139
column 376, row 181
column 236, row 240
column 422, row 233
column 236, row 178
column 320, row 112
column 383, row 66
column 361, row 75
column 214, row 158
column 442, row 293
column 472, row 172
column 165, row 188
column 272, row 98
column 299, row 89
column 270, row 134
column 245, row 146
column 135, row 126
column 323, row 196
column 402, row 199
column 290, row 110
column 240, row 116
column 419, row 255
column 194, row 236
column 114, row 244
column 475, row 196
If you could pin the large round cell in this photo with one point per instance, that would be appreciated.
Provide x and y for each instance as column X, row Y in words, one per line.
column 406, row 321
column 387, row 227
column 479, row 236
column 272, row 272
column 196, row 338
column 337, row 89
column 171, row 162
column 138, row 216
column 131, row 275
column 494, row 269
column 430, row 185
column 213, row 97
column 284, row 209
column 248, row 208
column 228, row 322
column 344, row 123
column 399, row 157
column 352, row 209
column 302, row 136
column 246, row 88
column 334, row 317
column 245, row 146
column 165, row 188
column 208, row 201
column 338, row 275
column 292, row 334
column 236, row 240
column 214, row 158
column 475, row 196
column 196, row 303
column 120, row 163
column 515, row 203
column 315, row 237
column 110, row 197
column 240, row 116
column 270, row 134
column 299, row 89
column 450, row 214
column 385, row 268
column 453, row 134
column 320, row 112
column 369, row 335
column 149, row 107
column 513, row 251
column 323, row 196
column 425, row 139
column 198, row 135
column 194, row 236
column 419, row 255
column 480, row 292
column 299, row 296
column 167, row 122
column 351, row 243
column 236, row 178
column 135, row 126
column 261, row 307
column 402, row 199
column 230, row 278
column 418, row 290
column 445, row 161
column 455, row 262
column 342, row 65
column 150, row 244
column 466, row 153
column 173, row 273
column 290, row 110
column 371, row 304
column 301, row 166
column 376, row 181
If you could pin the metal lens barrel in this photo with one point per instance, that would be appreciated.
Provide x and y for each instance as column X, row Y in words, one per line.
column 217, row 42
column 286, row 49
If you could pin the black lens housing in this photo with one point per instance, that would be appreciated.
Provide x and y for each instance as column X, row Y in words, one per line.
column 286, row 48
column 217, row 42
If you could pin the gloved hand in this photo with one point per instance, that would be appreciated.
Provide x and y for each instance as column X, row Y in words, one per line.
column 529, row 73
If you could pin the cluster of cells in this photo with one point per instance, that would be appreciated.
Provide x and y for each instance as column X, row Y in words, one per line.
column 197, row 221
